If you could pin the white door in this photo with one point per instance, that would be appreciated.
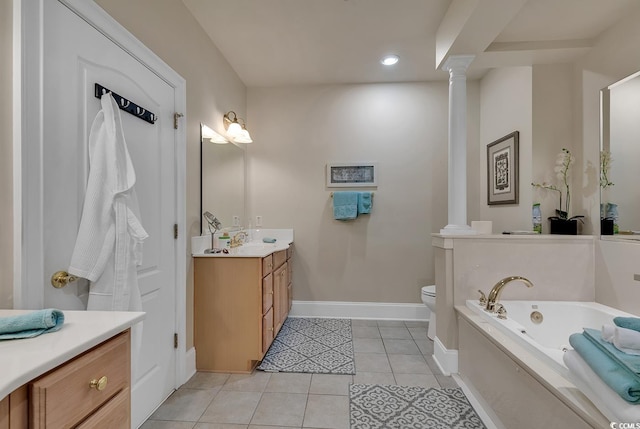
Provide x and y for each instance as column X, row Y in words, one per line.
column 76, row 56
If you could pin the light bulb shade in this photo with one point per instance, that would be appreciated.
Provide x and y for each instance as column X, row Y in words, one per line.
column 243, row 137
column 234, row 130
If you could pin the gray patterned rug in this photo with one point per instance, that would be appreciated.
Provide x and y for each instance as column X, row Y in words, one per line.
column 320, row 346
column 374, row 406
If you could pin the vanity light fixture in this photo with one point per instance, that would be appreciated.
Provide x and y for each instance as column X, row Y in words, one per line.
column 214, row 137
column 235, row 131
column 390, row 60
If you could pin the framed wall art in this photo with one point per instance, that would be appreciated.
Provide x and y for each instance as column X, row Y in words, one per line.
column 352, row 174
column 502, row 170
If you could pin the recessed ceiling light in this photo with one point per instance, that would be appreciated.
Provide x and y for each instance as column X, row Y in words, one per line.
column 390, row 60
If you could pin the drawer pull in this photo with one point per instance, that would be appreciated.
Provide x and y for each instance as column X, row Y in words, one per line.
column 99, row 384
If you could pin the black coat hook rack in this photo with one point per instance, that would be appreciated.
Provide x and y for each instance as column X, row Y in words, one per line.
column 127, row 105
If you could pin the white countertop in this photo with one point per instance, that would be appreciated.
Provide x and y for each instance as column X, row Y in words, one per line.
column 26, row 359
column 256, row 248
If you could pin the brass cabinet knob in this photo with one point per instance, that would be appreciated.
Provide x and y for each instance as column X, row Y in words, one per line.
column 60, row 279
column 99, row 384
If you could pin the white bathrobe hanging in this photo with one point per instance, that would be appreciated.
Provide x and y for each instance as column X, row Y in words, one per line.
column 109, row 244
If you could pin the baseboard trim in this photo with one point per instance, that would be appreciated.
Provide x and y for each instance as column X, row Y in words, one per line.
column 447, row 360
column 484, row 411
column 360, row 310
column 189, row 364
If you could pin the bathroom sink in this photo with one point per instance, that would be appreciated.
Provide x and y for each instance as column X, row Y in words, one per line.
column 253, row 249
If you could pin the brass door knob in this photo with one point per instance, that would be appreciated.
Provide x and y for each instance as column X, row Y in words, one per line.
column 60, row 279
column 99, row 384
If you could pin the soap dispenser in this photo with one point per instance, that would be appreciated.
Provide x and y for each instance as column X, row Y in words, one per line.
column 224, row 241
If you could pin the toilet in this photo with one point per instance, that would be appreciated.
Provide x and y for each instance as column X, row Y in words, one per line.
column 429, row 299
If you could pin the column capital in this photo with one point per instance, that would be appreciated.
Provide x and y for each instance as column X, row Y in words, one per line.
column 457, row 63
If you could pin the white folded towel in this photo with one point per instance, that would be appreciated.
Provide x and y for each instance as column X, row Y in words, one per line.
column 608, row 332
column 627, row 340
column 610, row 404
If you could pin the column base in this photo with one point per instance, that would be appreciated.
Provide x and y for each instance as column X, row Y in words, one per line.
column 458, row 230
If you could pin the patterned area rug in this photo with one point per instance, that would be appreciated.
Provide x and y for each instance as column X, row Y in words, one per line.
column 320, row 346
column 376, row 406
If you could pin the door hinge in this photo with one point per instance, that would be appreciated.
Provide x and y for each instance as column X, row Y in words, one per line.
column 175, row 340
column 175, row 231
column 176, row 116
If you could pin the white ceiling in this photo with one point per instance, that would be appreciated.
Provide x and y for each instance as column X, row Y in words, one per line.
column 305, row 42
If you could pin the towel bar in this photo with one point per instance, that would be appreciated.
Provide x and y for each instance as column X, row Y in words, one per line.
column 331, row 195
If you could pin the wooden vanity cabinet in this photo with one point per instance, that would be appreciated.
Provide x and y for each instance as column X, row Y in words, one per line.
column 240, row 304
column 14, row 410
column 64, row 397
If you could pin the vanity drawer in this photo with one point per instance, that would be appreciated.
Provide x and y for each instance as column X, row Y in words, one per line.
column 64, row 396
column 267, row 293
column 279, row 258
column 267, row 265
column 267, row 330
column 114, row 414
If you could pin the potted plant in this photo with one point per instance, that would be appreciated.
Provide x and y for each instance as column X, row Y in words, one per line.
column 561, row 223
column 608, row 210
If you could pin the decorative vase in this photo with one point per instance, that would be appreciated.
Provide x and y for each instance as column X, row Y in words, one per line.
column 563, row 226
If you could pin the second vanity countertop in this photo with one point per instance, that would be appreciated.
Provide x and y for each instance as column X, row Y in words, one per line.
column 26, row 359
column 253, row 249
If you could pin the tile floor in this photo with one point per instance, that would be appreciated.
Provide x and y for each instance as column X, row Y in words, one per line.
column 386, row 352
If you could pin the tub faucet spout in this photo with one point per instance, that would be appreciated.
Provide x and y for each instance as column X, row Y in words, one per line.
column 495, row 290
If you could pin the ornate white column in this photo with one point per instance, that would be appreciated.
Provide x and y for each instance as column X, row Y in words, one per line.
column 457, row 66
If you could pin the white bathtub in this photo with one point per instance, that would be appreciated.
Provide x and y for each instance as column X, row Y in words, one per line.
column 550, row 338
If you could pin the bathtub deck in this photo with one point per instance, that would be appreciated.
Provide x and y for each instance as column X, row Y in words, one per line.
column 561, row 389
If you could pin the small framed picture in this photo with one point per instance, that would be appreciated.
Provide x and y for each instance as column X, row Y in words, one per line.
column 352, row 174
column 502, row 170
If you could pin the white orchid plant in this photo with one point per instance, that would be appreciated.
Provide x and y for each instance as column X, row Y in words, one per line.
column 564, row 160
column 605, row 166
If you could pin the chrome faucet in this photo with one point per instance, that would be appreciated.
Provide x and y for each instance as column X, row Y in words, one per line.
column 238, row 239
column 497, row 288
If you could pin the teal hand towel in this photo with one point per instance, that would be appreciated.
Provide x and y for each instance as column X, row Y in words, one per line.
column 628, row 322
column 365, row 201
column 345, row 205
column 618, row 377
column 31, row 324
column 630, row 361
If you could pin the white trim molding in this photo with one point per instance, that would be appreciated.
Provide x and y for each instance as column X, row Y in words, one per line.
column 190, row 363
column 360, row 310
column 447, row 360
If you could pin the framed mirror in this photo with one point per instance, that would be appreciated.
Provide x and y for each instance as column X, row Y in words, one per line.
column 620, row 140
column 222, row 180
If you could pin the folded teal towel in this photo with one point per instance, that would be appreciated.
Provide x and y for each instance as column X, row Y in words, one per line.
column 618, row 377
column 268, row 240
column 365, row 200
column 628, row 322
column 345, row 205
column 31, row 324
column 632, row 362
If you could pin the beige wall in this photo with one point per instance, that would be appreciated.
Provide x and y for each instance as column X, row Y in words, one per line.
column 385, row 256
column 6, row 154
column 505, row 106
column 213, row 88
column 552, row 125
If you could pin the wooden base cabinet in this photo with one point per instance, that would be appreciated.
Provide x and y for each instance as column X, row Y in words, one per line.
column 89, row 391
column 240, row 304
